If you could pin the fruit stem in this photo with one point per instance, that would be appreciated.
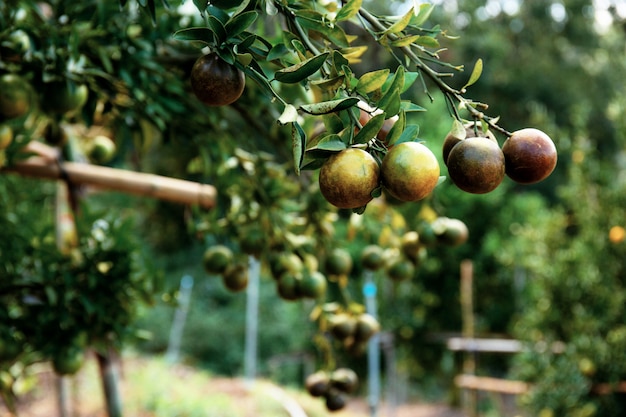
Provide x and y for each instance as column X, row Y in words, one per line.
column 435, row 76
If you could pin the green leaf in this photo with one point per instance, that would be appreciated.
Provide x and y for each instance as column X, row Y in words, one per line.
column 349, row 10
column 330, row 142
column 289, row 115
column 396, row 130
column 331, row 106
column 152, row 11
column 332, row 122
column 390, row 102
column 423, row 14
column 396, row 82
column 301, row 71
column 245, row 44
column 201, row 34
column 317, row 22
column 240, row 23
column 476, row 72
column 270, row 8
column 339, row 61
column 401, row 23
column 370, row 130
column 244, row 59
column 409, row 79
column 409, row 134
column 458, row 130
column 218, row 28
column 278, row 51
column 201, row 6
column 427, row 42
column 372, row 81
column 298, row 139
column 241, row 8
column 408, row 106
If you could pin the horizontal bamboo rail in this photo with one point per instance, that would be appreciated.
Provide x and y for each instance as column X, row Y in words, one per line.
column 45, row 165
column 484, row 383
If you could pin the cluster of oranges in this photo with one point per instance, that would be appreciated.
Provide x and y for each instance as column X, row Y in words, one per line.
column 476, row 163
column 409, row 172
column 333, row 386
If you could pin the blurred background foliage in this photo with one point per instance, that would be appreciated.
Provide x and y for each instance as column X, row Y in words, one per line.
column 548, row 259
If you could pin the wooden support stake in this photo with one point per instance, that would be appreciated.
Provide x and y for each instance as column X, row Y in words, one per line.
column 470, row 399
column 45, row 165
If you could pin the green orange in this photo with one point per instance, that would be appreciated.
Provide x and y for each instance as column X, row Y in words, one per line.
column 372, row 257
column 339, row 262
column 348, row 178
column 15, row 96
column 410, row 171
column 235, row 278
column 217, row 259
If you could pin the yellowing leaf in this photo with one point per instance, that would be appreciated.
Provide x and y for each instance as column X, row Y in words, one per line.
column 349, row 10
column 405, row 41
column 372, row 81
column 400, row 24
column 476, row 72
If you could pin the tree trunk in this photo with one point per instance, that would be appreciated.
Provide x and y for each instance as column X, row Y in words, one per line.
column 110, row 383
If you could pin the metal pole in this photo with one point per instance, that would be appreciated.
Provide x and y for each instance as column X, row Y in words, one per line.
column 252, row 319
column 373, row 347
column 180, row 316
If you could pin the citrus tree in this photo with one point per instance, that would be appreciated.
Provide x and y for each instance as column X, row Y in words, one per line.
column 267, row 100
column 546, row 248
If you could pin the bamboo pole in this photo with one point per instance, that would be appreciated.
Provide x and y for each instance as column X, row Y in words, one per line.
column 467, row 312
column 484, row 383
column 46, row 165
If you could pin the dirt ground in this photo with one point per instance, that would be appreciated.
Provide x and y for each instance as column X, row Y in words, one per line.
column 42, row 405
column 43, row 402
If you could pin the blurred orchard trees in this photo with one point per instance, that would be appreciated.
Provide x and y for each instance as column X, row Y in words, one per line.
column 556, row 249
column 546, row 267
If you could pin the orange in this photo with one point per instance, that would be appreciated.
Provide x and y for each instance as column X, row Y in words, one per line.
column 217, row 259
column 68, row 360
column 530, row 156
column 313, row 285
column 15, row 96
column 410, row 171
column 348, row 178
column 215, row 82
column 372, row 257
column 401, row 269
column 65, row 96
column 6, row 136
column 338, row 262
column 476, row 165
column 235, row 278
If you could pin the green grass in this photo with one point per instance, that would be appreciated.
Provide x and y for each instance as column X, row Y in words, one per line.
column 152, row 387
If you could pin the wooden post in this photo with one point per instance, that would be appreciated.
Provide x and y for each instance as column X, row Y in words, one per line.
column 66, row 241
column 469, row 397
